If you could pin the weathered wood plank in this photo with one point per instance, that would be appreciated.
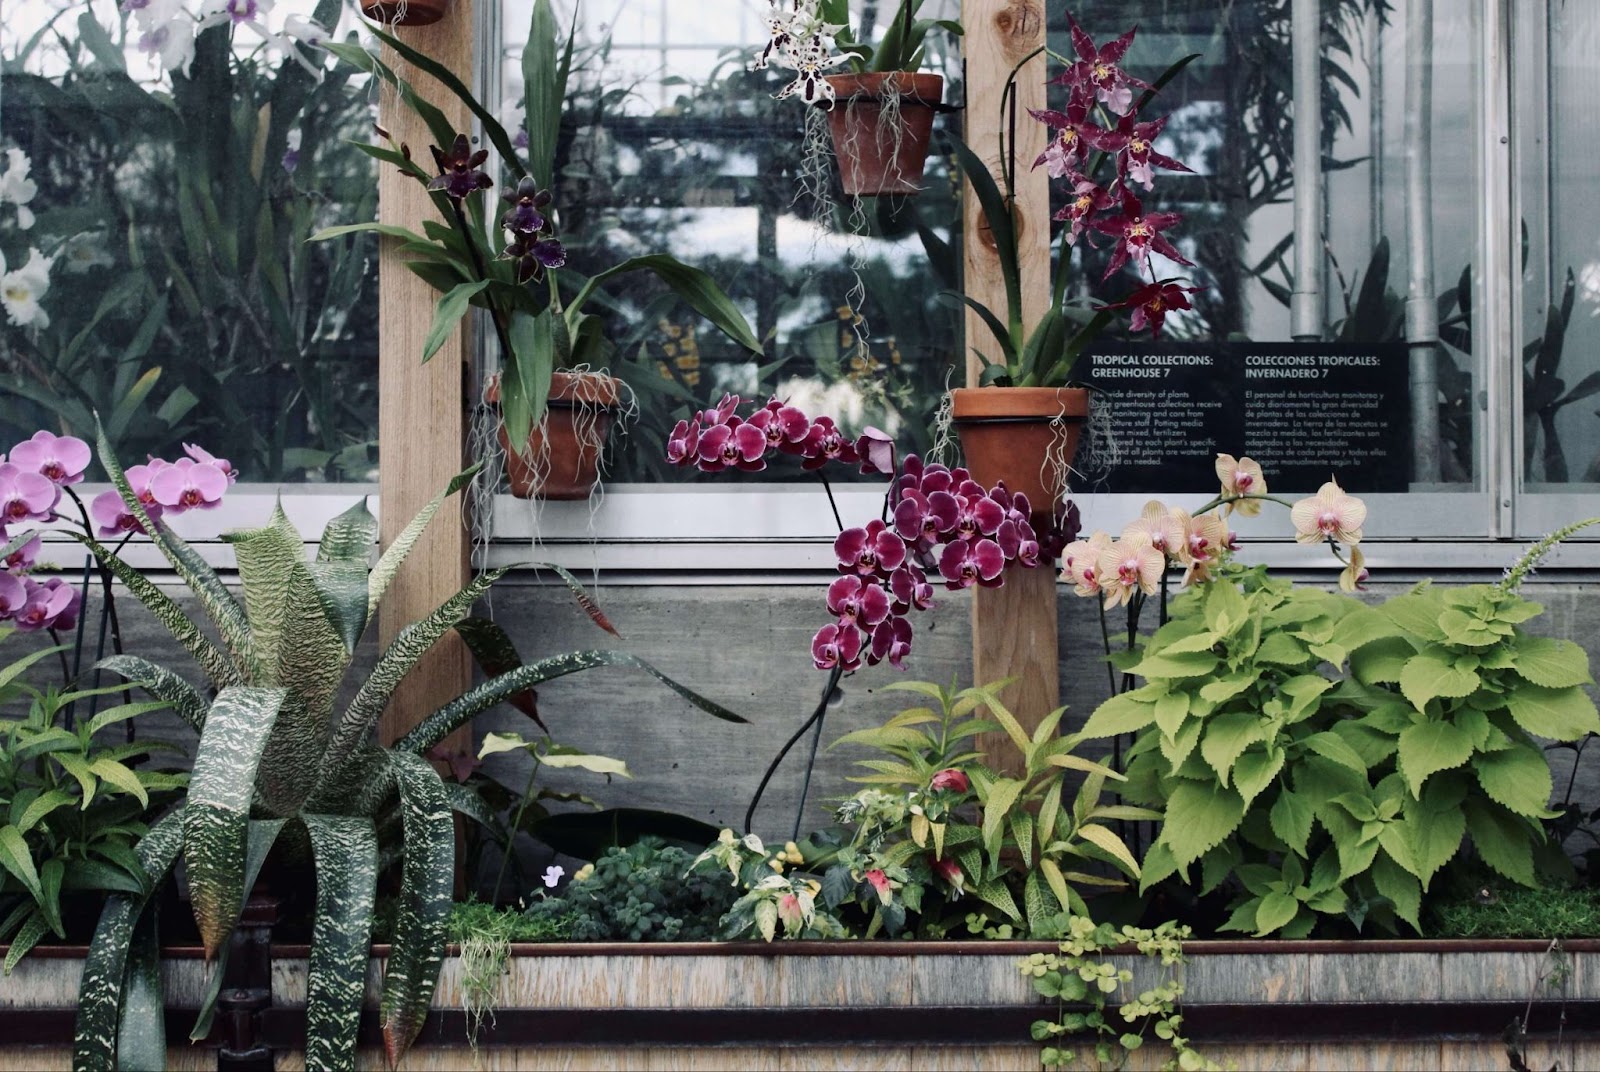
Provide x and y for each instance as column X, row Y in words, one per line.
column 421, row 416
column 1013, row 627
column 1339, row 977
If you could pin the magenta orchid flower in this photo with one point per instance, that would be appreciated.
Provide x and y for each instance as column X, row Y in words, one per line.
column 683, row 445
column 23, row 558
column 910, row 588
column 13, row 594
column 1097, row 69
column 824, row 443
column 785, row 426
column 965, row 563
column 837, row 645
column 1138, row 234
column 733, row 446
column 188, row 485
column 47, row 606
column 869, row 551
column 61, row 460
column 25, row 495
column 112, row 516
column 858, row 600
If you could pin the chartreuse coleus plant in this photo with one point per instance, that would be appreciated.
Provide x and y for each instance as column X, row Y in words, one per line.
column 278, row 757
column 938, row 838
column 1332, row 758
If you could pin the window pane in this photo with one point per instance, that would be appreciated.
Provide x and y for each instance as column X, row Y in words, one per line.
column 676, row 148
column 1232, row 120
column 177, row 170
column 1561, row 295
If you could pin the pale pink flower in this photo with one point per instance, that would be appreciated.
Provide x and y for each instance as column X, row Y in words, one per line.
column 205, row 457
column 1162, row 528
column 1080, row 563
column 1207, row 538
column 59, row 459
column 1330, row 514
column 1354, row 576
column 1131, row 564
column 1241, row 476
column 189, row 485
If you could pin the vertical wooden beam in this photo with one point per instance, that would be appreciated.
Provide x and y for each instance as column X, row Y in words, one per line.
column 421, row 409
column 1013, row 627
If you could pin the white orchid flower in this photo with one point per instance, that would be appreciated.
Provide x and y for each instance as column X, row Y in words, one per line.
column 22, row 289
column 17, row 188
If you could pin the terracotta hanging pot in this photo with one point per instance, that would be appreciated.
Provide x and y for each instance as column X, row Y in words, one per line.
column 877, row 156
column 561, row 459
column 1025, row 436
column 405, row 12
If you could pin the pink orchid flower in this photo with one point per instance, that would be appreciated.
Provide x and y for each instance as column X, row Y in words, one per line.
column 59, row 459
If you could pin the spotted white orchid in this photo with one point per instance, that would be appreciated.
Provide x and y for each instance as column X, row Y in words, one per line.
column 800, row 41
column 16, row 188
column 21, row 290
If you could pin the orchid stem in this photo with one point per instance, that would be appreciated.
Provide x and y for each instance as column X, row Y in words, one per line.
column 516, row 825
column 827, row 487
column 1105, row 639
column 772, row 768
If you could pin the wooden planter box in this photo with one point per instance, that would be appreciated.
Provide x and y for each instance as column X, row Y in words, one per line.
column 905, row 1005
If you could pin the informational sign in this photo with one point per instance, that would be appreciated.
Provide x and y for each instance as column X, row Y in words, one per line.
column 1305, row 411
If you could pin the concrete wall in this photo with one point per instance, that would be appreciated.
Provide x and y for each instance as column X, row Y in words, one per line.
column 748, row 647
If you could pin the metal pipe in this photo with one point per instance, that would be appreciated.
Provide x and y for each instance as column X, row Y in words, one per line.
column 1422, row 310
column 1497, row 306
column 1305, row 302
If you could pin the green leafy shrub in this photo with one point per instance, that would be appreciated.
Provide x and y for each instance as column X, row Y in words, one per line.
column 1344, row 796
column 646, row 892
column 939, row 840
column 71, row 806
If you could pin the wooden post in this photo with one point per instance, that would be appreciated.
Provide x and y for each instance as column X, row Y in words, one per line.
column 1013, row 627
column 421, row 409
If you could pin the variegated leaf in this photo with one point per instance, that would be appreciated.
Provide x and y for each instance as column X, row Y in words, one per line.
column 262, row 836
column 161, row 683
column 311, row 661
column 389, row 562
column 346, row 852
column 394, row 664
column 585, row 600
column 424, row 909
column 142, row 1026
column 439, row 725
column 94, row 1044
column 217, row 816
column 495, row 654
column 342, row 589
column 213, row 661
column 349, row 537
column 202, row 580
column 267, row 557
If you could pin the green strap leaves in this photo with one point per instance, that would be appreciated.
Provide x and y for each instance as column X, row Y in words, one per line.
column 421, row 920
column 216, row 821
column 389, row 562
column 345, row 850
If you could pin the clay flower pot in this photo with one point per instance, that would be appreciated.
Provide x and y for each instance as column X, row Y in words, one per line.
column 1009, row 433
column 561, row 459
column 405, row 12
column 877, row 157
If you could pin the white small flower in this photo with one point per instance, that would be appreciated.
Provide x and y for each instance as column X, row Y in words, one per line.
column 304, row 30
column 171, row 43
column 552, row 875
column 16, row 187
column 22, row 289
column 84, row 251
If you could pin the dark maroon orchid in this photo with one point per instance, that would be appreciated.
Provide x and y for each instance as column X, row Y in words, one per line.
column 1138, row 234
column 531, row 241
column 891, row 640
column 785, row 426
column 1088, row 200
column 1072, row 135
column 683, row 444
column 910, row 588
column 1151, row 303
column 824, row 444
column 859, row 600
column 1097, row 69
column 733, row 446
column 1133, row 143
column 875, row 448
column 460, row 170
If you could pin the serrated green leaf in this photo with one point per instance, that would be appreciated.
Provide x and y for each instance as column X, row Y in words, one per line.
column 1199, row 817
column 1382, row 661
column 1291, row 818
column 1400, row 887
column 1275, row 911
column 1428, row 747
column 1432, row 673
column 1256, row 770
column 1120, row 714
column 1417, row 613
column 1518, row 778
column 1330, row 745
column 1175, row 666
column 1558, row 714
column 1227, row 736
column 1554, row 664
column 1502, row 840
